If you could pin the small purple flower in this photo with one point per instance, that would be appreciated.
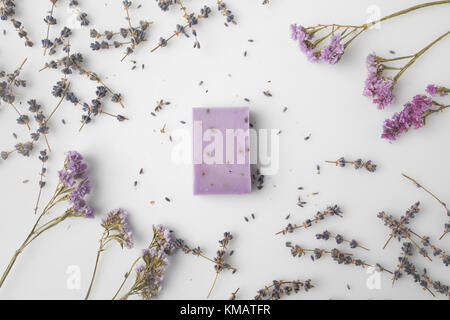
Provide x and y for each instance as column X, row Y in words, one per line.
column 89, row 212
column 334, row 51
column 433, row 90
column 66, row 178
column 376, row 85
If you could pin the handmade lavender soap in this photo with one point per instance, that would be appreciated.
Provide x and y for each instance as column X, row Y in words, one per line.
column 221, row 151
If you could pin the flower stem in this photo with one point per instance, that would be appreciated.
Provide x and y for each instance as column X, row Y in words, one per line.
column 417, row 55
column 212, row 287
column 413, row 8
column 126, row 277
column 100, row 249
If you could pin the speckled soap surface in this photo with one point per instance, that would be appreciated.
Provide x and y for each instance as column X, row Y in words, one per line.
column 221, row 151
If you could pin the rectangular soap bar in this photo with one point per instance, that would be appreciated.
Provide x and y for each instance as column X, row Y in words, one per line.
column 221, row 150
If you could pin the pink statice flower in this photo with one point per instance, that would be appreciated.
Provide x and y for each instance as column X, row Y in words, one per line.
column 330, row 53
column 334, row 51
column 412, row 116
column 377, row 86
column 434, row 90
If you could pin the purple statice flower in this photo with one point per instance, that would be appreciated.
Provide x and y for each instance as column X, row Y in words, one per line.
column 89, row 212
column 74, row 175
column 150, row 273
column 74, row 169
column 376, row 85
column 334, row 51
column 78, row 194
column 299, row 33
column 117, row 226
column 433, row 90
column 410, row 116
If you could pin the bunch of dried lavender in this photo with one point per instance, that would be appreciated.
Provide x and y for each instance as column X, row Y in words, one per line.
column 280, row 288
column 116, row 229
column 447, row 225
column 150, row 274
column 132, row 36
column 229, row 16
column 192, row 20
column 7, row 13
column 400, row 230
column 66, row 32
column 358, row 164
column 409, row 268
column 326, row 235
column 330, row 211
column 73, row 187
column 337, row 256
column 72, row 63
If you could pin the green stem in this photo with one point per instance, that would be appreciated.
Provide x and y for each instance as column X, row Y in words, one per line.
column 100, row 249
column 418, row 54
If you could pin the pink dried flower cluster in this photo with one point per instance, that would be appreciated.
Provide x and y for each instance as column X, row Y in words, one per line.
column 414, row 113
column 331, row 53
column 378, row 86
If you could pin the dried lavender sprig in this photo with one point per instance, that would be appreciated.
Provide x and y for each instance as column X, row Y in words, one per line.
column 442, row 203
column 425, row 241
column 7, row 94
column 116, row 228
column 400, row 231
column 337, row 256
column 73, row 63
column 43, row 157
column 280, row 288
column 229, row 16
column 49, row 20
column 64, row 35
column 25, row 148
column 398, row 226
column 137, row 35
column 220, row 258
column 409, row 268
column 7, row 12
column 329, row 211
column 197, row 251
column 358, row 163
column 326, row 235
column 193, row 20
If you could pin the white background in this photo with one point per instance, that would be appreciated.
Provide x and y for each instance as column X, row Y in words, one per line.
column 324, row 101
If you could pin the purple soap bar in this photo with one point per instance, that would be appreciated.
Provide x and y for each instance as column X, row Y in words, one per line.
column 221, row 151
